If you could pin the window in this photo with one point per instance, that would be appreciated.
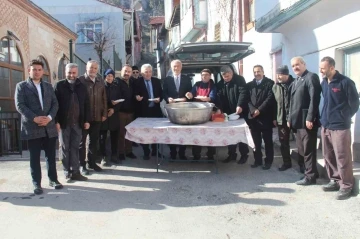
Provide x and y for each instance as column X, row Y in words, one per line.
column 11, row 72
column 217, row 32
column 46, row 75
column 249, row 14
column 352, row 62
column 61, row 68
column 88, row 32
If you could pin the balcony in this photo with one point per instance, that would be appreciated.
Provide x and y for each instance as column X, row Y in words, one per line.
column 284, row 11
column 193, row 18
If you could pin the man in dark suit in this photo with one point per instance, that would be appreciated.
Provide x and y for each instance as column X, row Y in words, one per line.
column 304, row 117
column 73, row 116
column 175, row 89
column 148, row 93
column 98, row 113
column 232, row 97
column 262, row 112
column 35, row 100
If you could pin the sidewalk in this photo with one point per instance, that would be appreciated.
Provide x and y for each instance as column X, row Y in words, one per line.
column 321, row 162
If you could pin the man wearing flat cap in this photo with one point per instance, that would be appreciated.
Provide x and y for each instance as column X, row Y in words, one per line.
column 282, row 95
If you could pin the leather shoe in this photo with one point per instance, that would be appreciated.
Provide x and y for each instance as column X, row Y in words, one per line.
column 284, row 167
column 114, row 159
column 97, row 168
column 131, row 155
column 255, row 165
column 266, row 167
column 331, row 186
column 305, row 182
column 38, row 190
column 243, row 159
column 78, row 177
column 121, row 157
column 55, row 184
column 344, row 194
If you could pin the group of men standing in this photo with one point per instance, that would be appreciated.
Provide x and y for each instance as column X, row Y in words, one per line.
column 90, row 106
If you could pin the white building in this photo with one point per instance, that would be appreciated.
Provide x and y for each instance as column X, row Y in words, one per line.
column 92, row 19
column 313, row 29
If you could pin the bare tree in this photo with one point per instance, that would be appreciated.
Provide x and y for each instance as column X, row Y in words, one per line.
column 227, row 10
column 102, row 38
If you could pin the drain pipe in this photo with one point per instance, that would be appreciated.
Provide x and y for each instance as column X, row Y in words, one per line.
column 241, row 29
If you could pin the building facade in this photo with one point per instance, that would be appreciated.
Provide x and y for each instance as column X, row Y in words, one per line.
column 27, row 32
column 101, row 28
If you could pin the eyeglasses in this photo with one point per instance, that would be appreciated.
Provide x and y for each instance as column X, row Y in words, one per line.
column 135, row 72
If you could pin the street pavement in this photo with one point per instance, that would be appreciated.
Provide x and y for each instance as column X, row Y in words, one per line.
column 183, row 200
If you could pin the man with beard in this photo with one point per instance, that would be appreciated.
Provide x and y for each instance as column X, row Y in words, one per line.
column 232, row 97
column 304, row 117
column 126, row 111
column 261, row 116
column 35, row 100
column 98, row 113
column 282, row 91
column 73, row 116
column 148, row 93
column 174, row 90
column 341, row 102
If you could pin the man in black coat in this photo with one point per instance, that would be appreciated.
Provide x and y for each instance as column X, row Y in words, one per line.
column 282, row 90
column 111, row 124
column 126, row 111
column 148, row 93
column 175, row 89
column 73, row 116
column 304, row 117
column 232, row 97
column 261, row 116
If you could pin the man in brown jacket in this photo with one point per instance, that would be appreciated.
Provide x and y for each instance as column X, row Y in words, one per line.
column 98, row 113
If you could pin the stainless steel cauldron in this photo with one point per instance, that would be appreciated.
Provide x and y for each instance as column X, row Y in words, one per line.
column 189, row 112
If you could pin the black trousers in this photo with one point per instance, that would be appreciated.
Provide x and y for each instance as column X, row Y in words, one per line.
column 173, row 151
column 93, row 133
column 306, row 143
column 263, row 134
column 35, row 147
column 196, row 151
column 146, row 149
column 284, row 138
column 243, row 149
column 114, row 139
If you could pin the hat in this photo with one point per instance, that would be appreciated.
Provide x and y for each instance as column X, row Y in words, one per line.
column 284, row 70
column 135, row 68
column 109, row 71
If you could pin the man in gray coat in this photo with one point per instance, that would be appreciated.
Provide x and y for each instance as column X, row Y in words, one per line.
column 35, row 100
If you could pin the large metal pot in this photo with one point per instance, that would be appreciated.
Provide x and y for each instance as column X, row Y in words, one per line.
column 189, row 112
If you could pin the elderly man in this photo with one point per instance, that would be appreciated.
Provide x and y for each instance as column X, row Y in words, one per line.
column 73, row 116
column 232, row 97
column 175, row 88
column 261, row 116
column 35, row 100
column 126, row 111
column 148, row 93
column 282, row 91
column 98, row 113
column 303, row 117
column 341, row 102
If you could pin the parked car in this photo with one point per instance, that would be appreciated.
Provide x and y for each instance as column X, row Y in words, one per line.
column 212, row 55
